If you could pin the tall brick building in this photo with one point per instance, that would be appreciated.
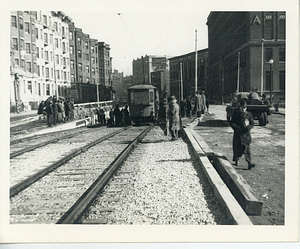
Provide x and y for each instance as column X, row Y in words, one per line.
column 246, row 41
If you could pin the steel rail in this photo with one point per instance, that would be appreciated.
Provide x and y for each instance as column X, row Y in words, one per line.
column 17, row 188
column 73, row 215
column 33, row 147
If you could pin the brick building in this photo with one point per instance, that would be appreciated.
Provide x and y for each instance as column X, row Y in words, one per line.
column 144, row 66
column 188, row 73
column 39, row 56
column 241, row 45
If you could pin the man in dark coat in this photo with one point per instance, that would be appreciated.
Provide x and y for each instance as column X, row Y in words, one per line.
column 118, row 115
column 242, row 122
column 173, row 116
column 188, row 106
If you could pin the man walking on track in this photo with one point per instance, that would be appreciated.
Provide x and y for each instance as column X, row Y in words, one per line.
column 242, row 122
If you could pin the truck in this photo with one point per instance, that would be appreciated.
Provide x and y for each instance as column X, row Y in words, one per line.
column 255, row 105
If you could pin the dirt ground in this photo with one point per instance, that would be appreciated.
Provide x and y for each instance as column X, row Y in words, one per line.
column 267, row 179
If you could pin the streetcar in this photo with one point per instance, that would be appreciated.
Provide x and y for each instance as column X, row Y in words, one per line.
column 143, row 101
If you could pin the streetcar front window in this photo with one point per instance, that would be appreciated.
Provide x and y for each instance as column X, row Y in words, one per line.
column 139, row 98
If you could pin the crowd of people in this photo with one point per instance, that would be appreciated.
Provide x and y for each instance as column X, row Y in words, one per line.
column 56, row 110
column 116, row 116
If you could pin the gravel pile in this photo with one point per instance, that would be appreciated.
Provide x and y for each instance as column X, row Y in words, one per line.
column 158, row 184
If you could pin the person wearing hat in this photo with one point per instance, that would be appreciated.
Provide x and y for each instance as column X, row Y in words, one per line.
column 242, row 122
column 173, row 116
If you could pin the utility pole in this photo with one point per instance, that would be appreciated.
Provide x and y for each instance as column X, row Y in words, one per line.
column 181, row 83
column 262, row 68
column 238, row 73
column 196, row 58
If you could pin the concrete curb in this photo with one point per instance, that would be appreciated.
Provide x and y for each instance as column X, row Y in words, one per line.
column 61, row 127
column 232, row 208
column 238, row 186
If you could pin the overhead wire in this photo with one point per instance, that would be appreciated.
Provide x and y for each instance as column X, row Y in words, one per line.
column 119, row 14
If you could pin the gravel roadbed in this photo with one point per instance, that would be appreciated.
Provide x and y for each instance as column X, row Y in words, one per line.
column 158, row 184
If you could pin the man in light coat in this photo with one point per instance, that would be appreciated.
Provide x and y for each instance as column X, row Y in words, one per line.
column 173, row 116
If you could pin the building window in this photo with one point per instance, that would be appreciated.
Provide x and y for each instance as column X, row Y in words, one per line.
column 46, row 38
column 21, row 23
column 71, row 50
column 94, row 81
column 27, row 29
column 281, row 26
column 87, row 57
column 96, row 50
column 282, row 80
column 269, row 54
column 55, row 26
column 79, row 53
column 269, row 27
column 57, row 58
column 79, row 40
column 32, row 28
column 52, row 71
column 79, row 66
column 39, row 88
column 80, row 79
column 71, row 35
column 42, row 53
column 47, row 89
column 47, row 72
column 37, row 52
column 17, row 62
column 43, row 71
column 57, row 73
column 86, row 45
column 15, row 44
column 28, row 66
column 72, row 78
column 93, row 70
column 64, row 47
column 38, row 71
column 93, row 60
column 45, row 20
column 46, row 56
column 72, row 64
column 56, row 42
column 63, row 31
column 37, row 33
column 34, row 68
column 51, row 39
column 29, row 87
column 87, row 79
column 14, row 21
column 87, row 69
column 22, row 63
column 28, row 48
column 281, row 54
column 268, row 80
column 65, row 76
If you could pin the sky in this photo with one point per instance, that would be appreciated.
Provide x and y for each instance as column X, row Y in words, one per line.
column 139, row 32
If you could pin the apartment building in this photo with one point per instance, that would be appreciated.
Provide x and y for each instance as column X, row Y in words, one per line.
column 39, row 57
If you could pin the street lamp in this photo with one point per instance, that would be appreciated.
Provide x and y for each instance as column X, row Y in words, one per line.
column 271, row 61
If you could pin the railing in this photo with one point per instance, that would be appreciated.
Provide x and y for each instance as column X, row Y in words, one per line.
column 88, row 109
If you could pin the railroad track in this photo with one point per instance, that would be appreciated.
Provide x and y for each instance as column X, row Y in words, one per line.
column 23, row 145
column 61, row 191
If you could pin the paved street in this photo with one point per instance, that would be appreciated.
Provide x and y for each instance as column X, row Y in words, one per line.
column 268, row 153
